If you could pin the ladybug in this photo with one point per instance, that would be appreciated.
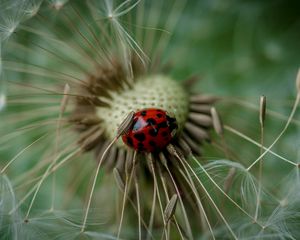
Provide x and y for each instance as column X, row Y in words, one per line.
column 152, row 129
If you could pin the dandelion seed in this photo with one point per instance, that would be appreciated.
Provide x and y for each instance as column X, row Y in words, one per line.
column 171, row 207
column 262, row 110
column 216, row 121
column 126, row 124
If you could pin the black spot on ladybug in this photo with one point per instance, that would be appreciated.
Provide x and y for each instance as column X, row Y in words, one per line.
column 164, row 133
column 129, row 141
column 152, row 143
column 159, row 115
column 140, row 136
column 151, row 121
column 153, row 132
column 162, row 125
column 144, row 113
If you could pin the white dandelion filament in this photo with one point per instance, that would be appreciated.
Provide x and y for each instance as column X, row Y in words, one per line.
column 128, row 181
column 94, row 184
column 204, row 216
column 184, row 162
column 187, row 223
column 21, row 152
column 244, row 136
column 45, row 175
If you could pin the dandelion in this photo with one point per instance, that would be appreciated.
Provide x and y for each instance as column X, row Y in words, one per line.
column 100, row 141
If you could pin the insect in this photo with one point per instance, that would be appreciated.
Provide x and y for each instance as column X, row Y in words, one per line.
column 152, row 129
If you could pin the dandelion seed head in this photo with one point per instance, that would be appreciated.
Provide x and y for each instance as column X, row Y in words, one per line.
column 155, row 91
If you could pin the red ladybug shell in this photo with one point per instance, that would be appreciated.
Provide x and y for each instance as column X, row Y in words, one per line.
column 151, row 130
